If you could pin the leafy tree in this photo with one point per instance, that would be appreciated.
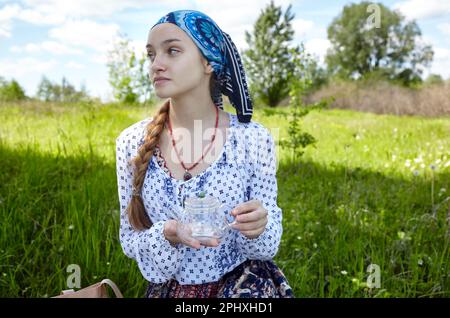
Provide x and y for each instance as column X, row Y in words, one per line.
column 44, row 90
column 127, row 73
column 65, row 92
column 391, row 49
column 11, row 91
column 268, row 61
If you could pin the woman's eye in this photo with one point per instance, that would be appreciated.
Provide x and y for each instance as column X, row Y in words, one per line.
column 151, row 57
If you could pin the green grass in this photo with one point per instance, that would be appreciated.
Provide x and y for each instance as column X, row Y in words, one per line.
column 351, row 201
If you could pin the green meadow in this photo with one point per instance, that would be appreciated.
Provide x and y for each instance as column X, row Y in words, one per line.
column 374, row 192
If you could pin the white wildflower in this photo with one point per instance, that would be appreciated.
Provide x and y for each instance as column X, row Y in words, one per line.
column 408, row 163
column 344, row 272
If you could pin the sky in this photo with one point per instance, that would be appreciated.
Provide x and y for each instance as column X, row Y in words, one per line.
column 59, row 38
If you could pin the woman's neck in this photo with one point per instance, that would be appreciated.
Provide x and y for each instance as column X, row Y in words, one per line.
column 187, row 112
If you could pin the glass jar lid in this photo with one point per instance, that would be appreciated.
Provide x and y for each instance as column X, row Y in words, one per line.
column 201, row 202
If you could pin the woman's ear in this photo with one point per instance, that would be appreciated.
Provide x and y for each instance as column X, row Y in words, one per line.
column 208, row 68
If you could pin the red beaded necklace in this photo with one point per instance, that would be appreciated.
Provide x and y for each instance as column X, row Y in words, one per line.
column 187, row 175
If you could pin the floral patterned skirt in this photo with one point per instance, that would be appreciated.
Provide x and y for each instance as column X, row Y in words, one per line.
column 251, row 279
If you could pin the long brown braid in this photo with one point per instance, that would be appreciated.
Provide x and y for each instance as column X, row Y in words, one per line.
column 137, row 216
column 136, row 211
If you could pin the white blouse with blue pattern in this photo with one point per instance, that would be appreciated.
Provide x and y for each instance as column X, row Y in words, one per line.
column 244, row 170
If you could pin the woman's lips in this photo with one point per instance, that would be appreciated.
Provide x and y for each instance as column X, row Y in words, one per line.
column 161, row 81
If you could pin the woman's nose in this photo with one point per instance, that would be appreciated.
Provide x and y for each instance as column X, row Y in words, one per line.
column 157, row 65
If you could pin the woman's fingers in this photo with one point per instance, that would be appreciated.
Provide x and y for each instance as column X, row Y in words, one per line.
column 253, row 233
column 189, row 241
column 212, row 242
column 250, row 225
column 246, row 207
column 192, row 242
column 252, row 216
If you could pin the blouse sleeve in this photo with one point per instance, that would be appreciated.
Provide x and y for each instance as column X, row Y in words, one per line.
column 157, row 259
column 263, row 187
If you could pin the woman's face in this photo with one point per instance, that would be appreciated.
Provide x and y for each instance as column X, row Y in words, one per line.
column 173, row 54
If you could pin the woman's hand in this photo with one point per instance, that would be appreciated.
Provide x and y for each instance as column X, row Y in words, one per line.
column 251, row 218
column 177, row 233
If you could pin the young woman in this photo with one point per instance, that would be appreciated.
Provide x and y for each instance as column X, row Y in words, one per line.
column 192, row 63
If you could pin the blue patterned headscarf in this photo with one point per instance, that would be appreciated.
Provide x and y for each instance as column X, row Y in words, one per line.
column 220, row 51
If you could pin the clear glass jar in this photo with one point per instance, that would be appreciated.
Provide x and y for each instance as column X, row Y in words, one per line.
column 206, row 217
